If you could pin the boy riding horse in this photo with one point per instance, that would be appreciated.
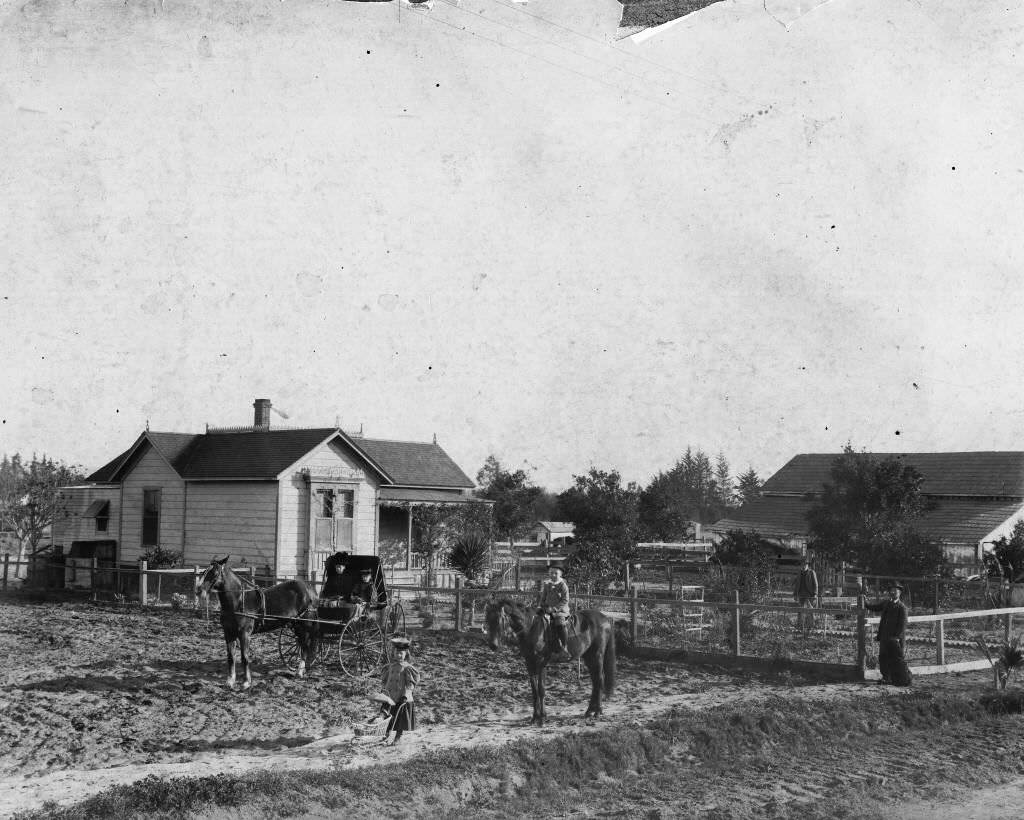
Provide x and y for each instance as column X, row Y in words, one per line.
column 554, row 604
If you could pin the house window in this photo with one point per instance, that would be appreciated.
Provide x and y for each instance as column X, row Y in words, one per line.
column 150, row 518
column 103, row 517
column 326, row 503
column 346, row 503
column 336, row 503
column 99, row 511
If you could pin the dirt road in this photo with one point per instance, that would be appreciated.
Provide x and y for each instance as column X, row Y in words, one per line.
column 94, row 697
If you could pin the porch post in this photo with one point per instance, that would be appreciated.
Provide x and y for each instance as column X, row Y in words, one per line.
column 408, row 540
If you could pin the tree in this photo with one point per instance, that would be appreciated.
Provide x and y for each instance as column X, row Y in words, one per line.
column 868, row 514
column 514, row 497
column 1006, row 560
column 689, row 491
column 724, row 488
column 607, row 524
column 437, row 527
column 30, row 499
column 598, row 501
column 748, row 486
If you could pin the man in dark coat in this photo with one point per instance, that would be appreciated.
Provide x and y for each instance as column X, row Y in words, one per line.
column 891, row 637
column 805, row 591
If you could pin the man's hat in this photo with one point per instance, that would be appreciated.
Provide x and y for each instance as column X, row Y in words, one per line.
column 899, row 586
column 556, row 565
column 401, row 643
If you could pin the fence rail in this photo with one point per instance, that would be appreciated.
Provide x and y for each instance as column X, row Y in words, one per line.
column 835, row 634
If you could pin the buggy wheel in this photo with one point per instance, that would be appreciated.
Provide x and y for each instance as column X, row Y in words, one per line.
column 290, row 650
column 396, row 619
column 361, row 647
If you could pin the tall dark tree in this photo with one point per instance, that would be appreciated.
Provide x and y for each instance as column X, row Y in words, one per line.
column 869, row 514
column 748, row 486
column 607, row 521
column 30, row 499
column 600, row 501
column 514, row 495
column 724, row 488
column 687, row 492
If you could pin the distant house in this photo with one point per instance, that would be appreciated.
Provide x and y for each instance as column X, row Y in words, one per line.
column 280, row 500
column 975, row 499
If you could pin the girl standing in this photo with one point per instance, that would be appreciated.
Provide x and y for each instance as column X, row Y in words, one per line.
column 398, row 681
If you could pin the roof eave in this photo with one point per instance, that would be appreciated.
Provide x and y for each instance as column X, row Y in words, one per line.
column 339, row 434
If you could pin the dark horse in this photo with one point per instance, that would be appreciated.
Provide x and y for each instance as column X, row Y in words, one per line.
column 514, row 624
column 244, row 612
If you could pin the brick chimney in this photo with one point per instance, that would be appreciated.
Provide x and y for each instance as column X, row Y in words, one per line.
column 261, row 419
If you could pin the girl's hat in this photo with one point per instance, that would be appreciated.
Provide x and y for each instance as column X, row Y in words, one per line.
column 401, row 643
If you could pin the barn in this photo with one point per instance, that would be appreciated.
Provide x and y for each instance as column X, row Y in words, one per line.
column 277, row 499
column 974, row 498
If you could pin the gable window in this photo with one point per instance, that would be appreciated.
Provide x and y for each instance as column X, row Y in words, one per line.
column 99, row 511
column 150, row 518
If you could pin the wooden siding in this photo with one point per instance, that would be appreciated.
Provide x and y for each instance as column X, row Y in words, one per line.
column 150, row 472
column 236, row 518
column 343, row 468
column 73, row 525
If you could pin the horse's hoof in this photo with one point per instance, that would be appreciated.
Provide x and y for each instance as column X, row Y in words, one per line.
column 246, row 685
column 231, row 685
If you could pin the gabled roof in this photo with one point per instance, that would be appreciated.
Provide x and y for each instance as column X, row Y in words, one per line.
column 955, row 521
column 265, row 454
column 982, row 474
column 413, row 463
column 259, row 454
column 772, row 516
column 555, row 527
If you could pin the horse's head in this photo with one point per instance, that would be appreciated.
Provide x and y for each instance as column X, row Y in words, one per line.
column 499, row 616
column 214, row 577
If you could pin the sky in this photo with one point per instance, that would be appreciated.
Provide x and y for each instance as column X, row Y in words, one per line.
column 499, row 224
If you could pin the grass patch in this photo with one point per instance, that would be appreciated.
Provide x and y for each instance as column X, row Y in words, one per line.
column 701, row 759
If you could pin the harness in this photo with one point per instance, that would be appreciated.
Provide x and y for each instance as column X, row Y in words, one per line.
column 260, row 615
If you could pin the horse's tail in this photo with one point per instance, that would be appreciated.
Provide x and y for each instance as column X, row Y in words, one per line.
column 609, row 661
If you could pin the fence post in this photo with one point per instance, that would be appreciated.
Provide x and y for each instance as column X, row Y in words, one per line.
column 634, row 626
column 935, row 603
column 458, row 604
column 1008, row 627
column 7, row 563
column 518, row 587
column 736, row 624
column 195, row 583
column 142, row 582
column 668, row 569
column 92, row 572
column 940, row 643
column 862, row 636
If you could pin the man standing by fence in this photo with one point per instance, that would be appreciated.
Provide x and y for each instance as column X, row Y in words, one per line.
column 805, row 591
column 892, row 628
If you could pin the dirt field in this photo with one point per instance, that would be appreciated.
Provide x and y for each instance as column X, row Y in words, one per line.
column 94, row 697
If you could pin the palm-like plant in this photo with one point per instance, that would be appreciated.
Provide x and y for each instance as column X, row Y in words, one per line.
column 469, row 555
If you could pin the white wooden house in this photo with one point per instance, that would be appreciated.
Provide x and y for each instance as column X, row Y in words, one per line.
column 279, row 500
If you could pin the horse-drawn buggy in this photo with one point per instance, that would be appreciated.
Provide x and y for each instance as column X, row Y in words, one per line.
column 355, row 615
column 348, row 624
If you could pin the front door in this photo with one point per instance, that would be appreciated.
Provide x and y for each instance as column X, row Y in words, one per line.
column 332, row 525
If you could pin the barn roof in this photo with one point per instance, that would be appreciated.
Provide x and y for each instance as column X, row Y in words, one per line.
column 990, row 474
column 265, row 454
column 953, row 520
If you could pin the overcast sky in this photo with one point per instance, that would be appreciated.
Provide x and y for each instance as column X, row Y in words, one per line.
column 499, row 224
